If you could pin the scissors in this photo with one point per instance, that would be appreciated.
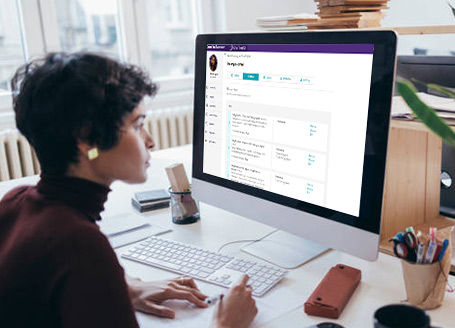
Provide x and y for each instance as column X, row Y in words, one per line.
column 405, row 246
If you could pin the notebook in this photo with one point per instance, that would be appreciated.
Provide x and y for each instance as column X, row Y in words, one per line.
column 127, row 228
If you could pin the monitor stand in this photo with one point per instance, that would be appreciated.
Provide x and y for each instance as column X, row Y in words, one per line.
column 284, row 249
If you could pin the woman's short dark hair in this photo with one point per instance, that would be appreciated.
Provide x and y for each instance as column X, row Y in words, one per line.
column 65, row 98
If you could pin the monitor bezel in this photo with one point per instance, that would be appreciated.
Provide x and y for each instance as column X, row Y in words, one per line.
column 381, row 88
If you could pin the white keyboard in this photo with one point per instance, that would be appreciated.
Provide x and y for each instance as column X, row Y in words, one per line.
column 199, row 263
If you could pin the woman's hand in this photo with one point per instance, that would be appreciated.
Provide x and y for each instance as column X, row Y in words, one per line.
column 148, row 296
column 237, row 309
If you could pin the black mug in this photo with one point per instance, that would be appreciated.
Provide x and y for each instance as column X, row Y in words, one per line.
column 401, row 316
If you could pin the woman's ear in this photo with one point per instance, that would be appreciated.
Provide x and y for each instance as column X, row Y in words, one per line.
column 87, row 151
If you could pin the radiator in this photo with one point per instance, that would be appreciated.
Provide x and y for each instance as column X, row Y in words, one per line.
column 17, row 158
column 169, row 128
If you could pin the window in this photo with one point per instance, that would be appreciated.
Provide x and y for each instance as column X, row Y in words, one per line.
column 164, row 30
column 11, row 49
column 157, row 35
column 88, row 25
column 170, row 37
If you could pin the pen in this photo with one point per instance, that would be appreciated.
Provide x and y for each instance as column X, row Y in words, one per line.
column 397, row 238
column 419, row 236
column 420, row 250
column 433, row 234
column 410, row 229
column 213, row 299
column 430, row 252
column 437, row 252
column 445, row 244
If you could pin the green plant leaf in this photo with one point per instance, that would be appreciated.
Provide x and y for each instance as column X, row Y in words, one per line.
column 444, row 91
column 453, row 9
column 436, row 87
column 425, row 113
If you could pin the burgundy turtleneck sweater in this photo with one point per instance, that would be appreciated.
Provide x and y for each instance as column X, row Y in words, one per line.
column 56, row 268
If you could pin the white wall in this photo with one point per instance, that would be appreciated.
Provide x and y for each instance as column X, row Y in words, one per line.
column 418, row 12
column 240, row 15
column 422, row 12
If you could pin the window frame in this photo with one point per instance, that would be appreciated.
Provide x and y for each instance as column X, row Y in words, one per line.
column 33, row 45
column 173, row 84
column 134, row 43
column 39, row 35
column 177, row 91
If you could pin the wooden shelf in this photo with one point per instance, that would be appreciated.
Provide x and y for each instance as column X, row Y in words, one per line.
column 420, row 30
column 409, row 125
column 401, row 30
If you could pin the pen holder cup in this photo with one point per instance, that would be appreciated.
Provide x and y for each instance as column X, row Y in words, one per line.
column 184, row 208
column 426, row 283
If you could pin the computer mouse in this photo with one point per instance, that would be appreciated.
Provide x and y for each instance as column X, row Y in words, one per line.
column 327, row 325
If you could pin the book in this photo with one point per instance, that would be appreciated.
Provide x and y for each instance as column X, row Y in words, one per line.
column 355, row 15
column 148, row 206
column 296, row 27
column 351, row 2
column 126, row 228
column 363, row 24
column 332, row 24
column 286, row 22
column 348, row 9
column 331, row 14
column 286, row 18
column 151, row 195
column 349, row 14
column 121, row 223
column 444, row 107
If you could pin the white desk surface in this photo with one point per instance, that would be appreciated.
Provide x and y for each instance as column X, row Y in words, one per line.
column 382, row 281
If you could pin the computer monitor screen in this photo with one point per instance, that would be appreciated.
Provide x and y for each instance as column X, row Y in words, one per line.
column 279, row 118
column 300, row 120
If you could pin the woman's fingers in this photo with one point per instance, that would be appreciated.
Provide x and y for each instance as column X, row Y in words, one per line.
column 188, row 284
column 195, row 291
column 243, row 280
column 156, row 309
column 186, row 281
column 186, row 295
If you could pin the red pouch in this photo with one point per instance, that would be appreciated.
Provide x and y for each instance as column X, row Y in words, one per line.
column 333, row 292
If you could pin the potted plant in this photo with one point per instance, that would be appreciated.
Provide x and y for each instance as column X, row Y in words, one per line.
column 425, row 113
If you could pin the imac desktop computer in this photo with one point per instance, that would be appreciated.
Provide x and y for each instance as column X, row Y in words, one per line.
column 290, row 129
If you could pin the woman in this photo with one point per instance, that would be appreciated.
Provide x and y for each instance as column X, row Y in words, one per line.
column 213, row 63
column 84, row 115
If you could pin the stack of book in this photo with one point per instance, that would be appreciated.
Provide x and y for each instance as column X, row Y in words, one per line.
column 331, row 14
column 286, row 23
column 349, row 13
column 444, row 107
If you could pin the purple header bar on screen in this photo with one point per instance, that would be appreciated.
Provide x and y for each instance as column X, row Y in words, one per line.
column 355, row 48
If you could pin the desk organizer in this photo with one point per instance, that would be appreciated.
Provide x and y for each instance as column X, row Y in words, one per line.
column 426, row 283
column 184, row 208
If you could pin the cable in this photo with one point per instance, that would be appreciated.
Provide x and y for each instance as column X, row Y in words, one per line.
column 235, row 242
column 245, row 240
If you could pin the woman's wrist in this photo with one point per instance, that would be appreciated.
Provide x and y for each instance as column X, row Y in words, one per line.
column 134, row 286
column 218, row 325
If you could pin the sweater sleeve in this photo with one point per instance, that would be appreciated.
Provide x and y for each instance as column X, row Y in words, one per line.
column 92, row 291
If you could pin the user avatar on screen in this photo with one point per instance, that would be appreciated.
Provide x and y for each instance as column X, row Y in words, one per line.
column 213, row 63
